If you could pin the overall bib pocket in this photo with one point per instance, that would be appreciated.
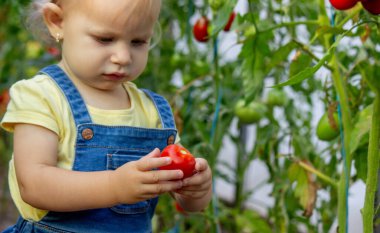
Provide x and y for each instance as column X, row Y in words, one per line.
column 115, row 160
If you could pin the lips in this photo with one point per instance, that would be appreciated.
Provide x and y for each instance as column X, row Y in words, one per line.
column 115, row 76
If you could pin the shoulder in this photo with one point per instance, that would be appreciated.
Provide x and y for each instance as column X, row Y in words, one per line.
column 36, row 101
column 38, row 85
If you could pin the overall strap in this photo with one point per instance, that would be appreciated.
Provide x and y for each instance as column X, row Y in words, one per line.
column 163, row 108
column 77, row 104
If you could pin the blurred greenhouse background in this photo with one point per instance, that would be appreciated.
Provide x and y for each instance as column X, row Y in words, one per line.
column 250, row 98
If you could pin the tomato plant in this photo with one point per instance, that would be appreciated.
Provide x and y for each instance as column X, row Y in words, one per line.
column 343, row 4
column 328, row 127
column 181, row 158
column 200, row 29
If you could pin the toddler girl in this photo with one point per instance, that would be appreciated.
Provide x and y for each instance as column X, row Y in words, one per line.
column 87, row 141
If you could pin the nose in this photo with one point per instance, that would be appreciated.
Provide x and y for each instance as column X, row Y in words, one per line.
column 121, row 55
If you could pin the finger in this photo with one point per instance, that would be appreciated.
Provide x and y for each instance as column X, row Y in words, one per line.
column 152, row 161
column 162, row 187
column 199, row 178
column 200, row 164
column 156, row 176
column 153, row 154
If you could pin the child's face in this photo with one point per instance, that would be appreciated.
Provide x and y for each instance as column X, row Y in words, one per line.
column 107, row 42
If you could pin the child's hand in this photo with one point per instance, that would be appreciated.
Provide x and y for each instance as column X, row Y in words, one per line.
column 200, row 184
column 137, row 181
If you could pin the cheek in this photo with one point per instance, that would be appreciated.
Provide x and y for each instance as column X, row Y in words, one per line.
column 141, row 62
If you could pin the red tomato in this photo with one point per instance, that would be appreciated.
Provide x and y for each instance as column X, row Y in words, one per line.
column 229, row 22
column 200, row 29
column 4, row 100
column 343, row 4
column 372, row 6
column 182, row 159
column 179, row 208
column 54, row 51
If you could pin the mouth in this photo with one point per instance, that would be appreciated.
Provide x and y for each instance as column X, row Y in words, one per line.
column 115, row 76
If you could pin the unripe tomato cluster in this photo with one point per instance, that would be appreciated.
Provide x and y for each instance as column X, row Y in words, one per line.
column 372, row 6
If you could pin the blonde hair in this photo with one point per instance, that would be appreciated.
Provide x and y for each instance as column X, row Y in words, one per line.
column 34, row 23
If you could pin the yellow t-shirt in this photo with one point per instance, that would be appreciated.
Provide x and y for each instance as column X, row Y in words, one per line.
column 39, row 101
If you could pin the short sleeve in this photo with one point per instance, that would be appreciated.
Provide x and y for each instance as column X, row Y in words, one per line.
column 30, row 103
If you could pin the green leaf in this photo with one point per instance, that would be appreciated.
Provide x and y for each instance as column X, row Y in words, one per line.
column 296, row 173
column 370, row 73
column 250, row 221
column 308, row 72
column 299, row 63
column 281, row 54
column 361, row 165
column 222, row 17
column 361, row 128
column 321, row 31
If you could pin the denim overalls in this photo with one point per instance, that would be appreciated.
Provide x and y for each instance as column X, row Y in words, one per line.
column 100, row 147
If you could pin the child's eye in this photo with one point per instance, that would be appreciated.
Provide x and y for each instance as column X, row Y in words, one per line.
column 104, row 40
column 138, row 42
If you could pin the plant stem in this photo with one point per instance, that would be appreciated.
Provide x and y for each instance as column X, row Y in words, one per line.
column 373, row 167
column 319, row 174
column 347, row 128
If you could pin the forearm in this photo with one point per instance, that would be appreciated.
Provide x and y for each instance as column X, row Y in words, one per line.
column 56, row 189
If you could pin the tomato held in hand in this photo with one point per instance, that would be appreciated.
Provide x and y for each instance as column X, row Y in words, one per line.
column 200, row 29
column 372, row 6
column 181, row 158
column 343, row 4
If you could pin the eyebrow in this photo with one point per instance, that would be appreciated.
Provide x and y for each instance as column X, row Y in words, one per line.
column 108, row 31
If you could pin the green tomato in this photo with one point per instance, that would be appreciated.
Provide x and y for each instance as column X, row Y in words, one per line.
column 33, row 49
column 216, row 4
column 326, row 130
column 251, row 113
column 277, row 97
column 250, row 31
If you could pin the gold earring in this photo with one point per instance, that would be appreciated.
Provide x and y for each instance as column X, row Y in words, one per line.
column 58, row 37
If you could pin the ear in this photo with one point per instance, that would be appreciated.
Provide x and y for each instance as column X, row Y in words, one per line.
column 53, row 17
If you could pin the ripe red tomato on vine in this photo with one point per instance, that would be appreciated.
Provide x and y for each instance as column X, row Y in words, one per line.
column 229, row 22
column 343, row 4
column 372, row 6
column 4, row 100
column 200, row 29
column 181, row 158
